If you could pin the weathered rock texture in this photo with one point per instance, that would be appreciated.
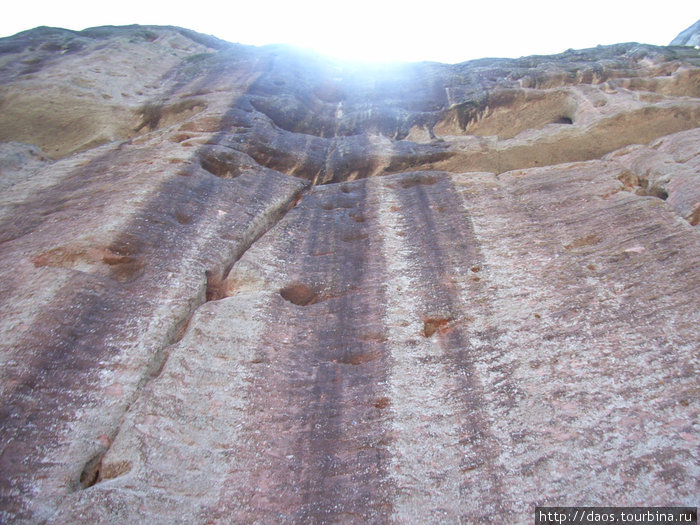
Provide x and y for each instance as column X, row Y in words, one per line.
column 251, row 285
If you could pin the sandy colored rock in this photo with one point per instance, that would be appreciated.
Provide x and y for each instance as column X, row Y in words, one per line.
column 252, row 285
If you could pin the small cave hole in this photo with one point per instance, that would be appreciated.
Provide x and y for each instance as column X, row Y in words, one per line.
column 381, row 403
column 297, row 200
column 434, row 324
column 183, row 217
column 182, row 137
column 694, row 218
column 91, row 471
column 299, row 294
column 127, row 245
column 563, row 120
column 123, row 268
column 646, row 188
column 224, row 164
column 220, row 168
column 656, row 191
column 216, row 288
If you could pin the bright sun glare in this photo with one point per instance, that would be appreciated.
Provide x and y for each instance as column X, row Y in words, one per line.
column 375, row 30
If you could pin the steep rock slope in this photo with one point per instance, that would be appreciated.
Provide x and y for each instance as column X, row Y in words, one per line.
column 254, row 285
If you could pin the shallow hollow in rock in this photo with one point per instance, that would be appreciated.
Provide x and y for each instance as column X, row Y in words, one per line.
column 432, row 325
column 299, row 294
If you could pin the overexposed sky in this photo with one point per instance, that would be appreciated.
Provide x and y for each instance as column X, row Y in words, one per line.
column 376, row 30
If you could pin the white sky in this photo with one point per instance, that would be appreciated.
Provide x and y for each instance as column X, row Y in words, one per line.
column 377, row 30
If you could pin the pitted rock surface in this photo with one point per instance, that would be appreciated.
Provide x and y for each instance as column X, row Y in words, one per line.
column 254, row 285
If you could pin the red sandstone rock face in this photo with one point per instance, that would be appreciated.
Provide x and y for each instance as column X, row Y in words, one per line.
column 250, row 285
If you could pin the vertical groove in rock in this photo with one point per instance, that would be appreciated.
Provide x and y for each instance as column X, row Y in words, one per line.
column 96, row 329
column 256, row 228
column 319, row 456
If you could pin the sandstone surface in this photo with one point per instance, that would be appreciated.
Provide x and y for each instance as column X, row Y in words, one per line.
column 255, row 285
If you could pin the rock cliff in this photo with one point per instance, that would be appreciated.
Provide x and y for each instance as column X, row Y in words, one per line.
column 254, row 285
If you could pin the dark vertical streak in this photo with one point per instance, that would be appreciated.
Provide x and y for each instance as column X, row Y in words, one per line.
column 323, row 456
column 444, row 239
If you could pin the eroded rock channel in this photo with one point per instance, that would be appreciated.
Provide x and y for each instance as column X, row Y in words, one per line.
column 252, row 285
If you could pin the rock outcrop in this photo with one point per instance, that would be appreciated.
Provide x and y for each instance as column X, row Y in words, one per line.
column 689, row 37
column 253, row 285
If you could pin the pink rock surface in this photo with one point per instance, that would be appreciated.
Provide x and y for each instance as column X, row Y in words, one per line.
column 246, row 285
